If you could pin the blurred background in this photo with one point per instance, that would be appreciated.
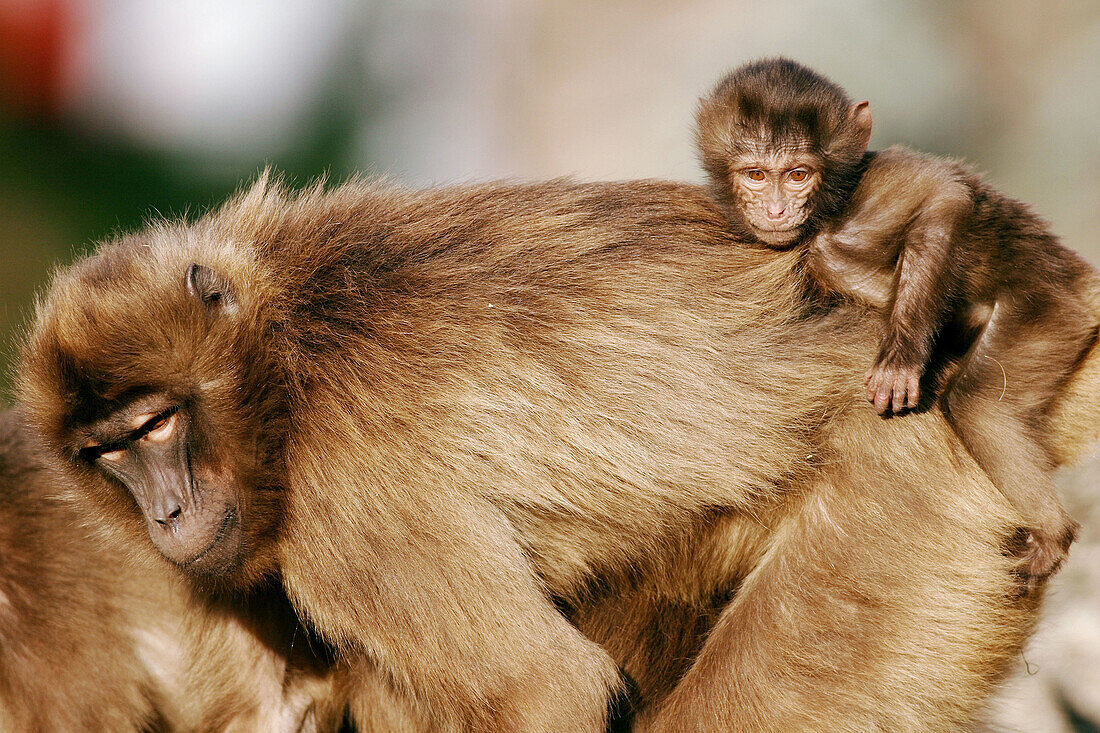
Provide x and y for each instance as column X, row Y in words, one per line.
column 113, row 110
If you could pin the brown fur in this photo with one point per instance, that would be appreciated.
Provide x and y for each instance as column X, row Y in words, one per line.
column 778, row 678
column 462, row 402
column 819, row 626
column 962, row 273
column 98, row 635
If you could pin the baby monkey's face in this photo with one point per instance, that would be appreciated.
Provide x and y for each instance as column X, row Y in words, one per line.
column 775, row 193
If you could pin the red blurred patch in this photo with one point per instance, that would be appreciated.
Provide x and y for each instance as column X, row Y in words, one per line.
column 34, row 37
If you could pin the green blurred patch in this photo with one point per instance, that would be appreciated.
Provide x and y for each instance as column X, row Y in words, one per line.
column 64, row 188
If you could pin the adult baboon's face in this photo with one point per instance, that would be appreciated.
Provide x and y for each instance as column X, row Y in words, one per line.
column 191, row 508
column 157, row 388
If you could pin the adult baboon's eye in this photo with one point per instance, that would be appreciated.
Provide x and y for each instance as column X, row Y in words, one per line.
column 159, row 428
column 92, row 453
column 755, row 174
column 799, row 175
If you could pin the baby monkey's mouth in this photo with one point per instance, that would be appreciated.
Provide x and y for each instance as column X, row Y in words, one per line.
column 786, row 224
column 778, row 226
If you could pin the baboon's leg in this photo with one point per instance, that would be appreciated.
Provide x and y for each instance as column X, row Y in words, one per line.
column 997, row 402
column 883, row 602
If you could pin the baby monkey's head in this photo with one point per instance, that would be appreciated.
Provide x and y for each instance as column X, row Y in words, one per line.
column 783, row 147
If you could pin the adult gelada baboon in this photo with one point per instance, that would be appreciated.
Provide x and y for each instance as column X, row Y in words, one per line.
column 445, row 416
column 99, row 635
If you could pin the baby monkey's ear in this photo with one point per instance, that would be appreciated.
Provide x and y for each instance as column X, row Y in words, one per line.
column 211, row 289
column 859, row 114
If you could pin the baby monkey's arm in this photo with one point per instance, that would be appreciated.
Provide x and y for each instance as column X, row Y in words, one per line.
column 923, row 283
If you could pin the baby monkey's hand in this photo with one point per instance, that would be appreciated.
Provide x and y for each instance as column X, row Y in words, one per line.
column 893, row 386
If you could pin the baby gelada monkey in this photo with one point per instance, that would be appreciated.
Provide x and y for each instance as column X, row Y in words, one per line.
column 932, row 246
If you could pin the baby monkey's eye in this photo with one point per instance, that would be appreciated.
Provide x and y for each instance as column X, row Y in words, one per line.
column 798, row 176
column 755, row 174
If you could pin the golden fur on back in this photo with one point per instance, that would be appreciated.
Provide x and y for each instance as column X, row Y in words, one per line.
column 467, row 404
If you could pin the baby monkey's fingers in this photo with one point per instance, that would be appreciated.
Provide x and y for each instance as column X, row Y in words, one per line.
column 912, row 385
column 884, row 393
column 899, row 402
column 893, row 388
column 875, row 393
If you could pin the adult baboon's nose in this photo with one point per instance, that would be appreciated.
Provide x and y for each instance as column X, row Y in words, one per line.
column 167, row 514
column 182, row 533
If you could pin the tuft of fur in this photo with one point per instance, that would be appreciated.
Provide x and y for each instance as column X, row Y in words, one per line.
column 1074, row 421
column 456, row 410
